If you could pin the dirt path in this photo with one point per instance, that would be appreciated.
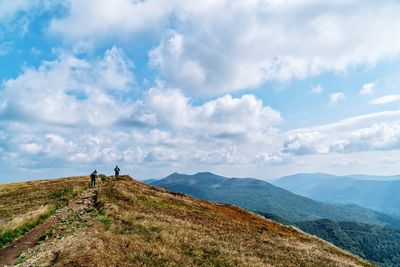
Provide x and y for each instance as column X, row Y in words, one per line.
column 80, row 206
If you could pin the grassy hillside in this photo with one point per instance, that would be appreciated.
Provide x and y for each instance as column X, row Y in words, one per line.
column 380, row 194
column 266, row 198
column 373, row 242
column 146, row 226
column 24, row 205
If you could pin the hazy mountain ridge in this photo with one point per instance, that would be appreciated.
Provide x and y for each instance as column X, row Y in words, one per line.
column 258, row 195
column 363, row 190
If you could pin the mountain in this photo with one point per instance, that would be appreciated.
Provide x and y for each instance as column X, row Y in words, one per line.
column 362, row 190
column 127, row 223
column 372, row 242
column 264, row 197
column 149, row 181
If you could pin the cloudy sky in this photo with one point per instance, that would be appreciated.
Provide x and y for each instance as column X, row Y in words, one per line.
column 258, row 88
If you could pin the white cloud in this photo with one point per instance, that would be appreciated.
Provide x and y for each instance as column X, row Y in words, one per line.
column 334, row 98
column 317, row 89
column 100, row 19
column 368, row 89
column 224, row 117
column 31, row 148
column 220, row 46
column 70, row 90
column 88, row 111
column 386, row 99
column 377, row 137
column 270, row 159
column 357, row 134
column 81, row 111
column 302, row 143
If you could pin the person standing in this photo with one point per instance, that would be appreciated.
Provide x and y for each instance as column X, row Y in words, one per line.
column 93, row 178
column 116, row 171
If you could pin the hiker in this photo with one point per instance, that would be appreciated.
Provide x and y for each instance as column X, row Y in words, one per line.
column 116, row 170
column 93, row 177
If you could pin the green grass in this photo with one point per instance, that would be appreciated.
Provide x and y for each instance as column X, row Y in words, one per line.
column 9, row 236
column 104, row 219
column 20, row 260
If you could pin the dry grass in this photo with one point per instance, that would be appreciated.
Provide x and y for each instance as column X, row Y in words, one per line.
column 152, row 227
column 24, row 205
column 19, row 221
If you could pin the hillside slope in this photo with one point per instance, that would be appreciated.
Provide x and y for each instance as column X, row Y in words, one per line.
column 380, row 194
column 264, row 197
column 26, row 204
column 142, row 225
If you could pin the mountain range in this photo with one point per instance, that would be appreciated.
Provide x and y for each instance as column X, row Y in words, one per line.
column 263, row 197
column 381, row 193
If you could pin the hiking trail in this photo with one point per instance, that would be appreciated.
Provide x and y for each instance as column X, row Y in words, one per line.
column 76, row 215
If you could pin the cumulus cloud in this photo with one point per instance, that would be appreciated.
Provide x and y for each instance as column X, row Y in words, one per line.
column 357, row 134
column 84, row 107
column 99, row 19
column 82, row 111
column 386, row 99
column 336, row 97
column 302, row 143
column 237, row 57
column 223, row 117
column 246, row 43
column 368, row 89
column 381, row 136
column 69, row 90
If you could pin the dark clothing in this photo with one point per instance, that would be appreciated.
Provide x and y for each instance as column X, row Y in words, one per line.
column 93, row 177
column 93, row 183
column 116, row 170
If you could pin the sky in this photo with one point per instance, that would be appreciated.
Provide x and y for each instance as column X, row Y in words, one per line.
column 257, row 88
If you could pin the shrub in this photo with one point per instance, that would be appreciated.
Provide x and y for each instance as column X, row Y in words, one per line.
column 103, row 177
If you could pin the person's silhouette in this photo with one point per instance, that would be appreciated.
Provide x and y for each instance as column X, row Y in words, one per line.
column 93, row 177
column 116, row 170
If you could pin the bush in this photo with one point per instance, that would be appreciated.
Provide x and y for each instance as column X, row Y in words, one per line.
column 103, row 177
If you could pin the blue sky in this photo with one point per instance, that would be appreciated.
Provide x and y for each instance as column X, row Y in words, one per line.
column 260, row 88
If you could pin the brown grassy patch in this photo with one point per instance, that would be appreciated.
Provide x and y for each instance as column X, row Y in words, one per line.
column 24, row 205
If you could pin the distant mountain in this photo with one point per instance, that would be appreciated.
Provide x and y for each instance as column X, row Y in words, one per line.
column 149, row 181
column 380, row 194
column 266, row 198
column 372, row 242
